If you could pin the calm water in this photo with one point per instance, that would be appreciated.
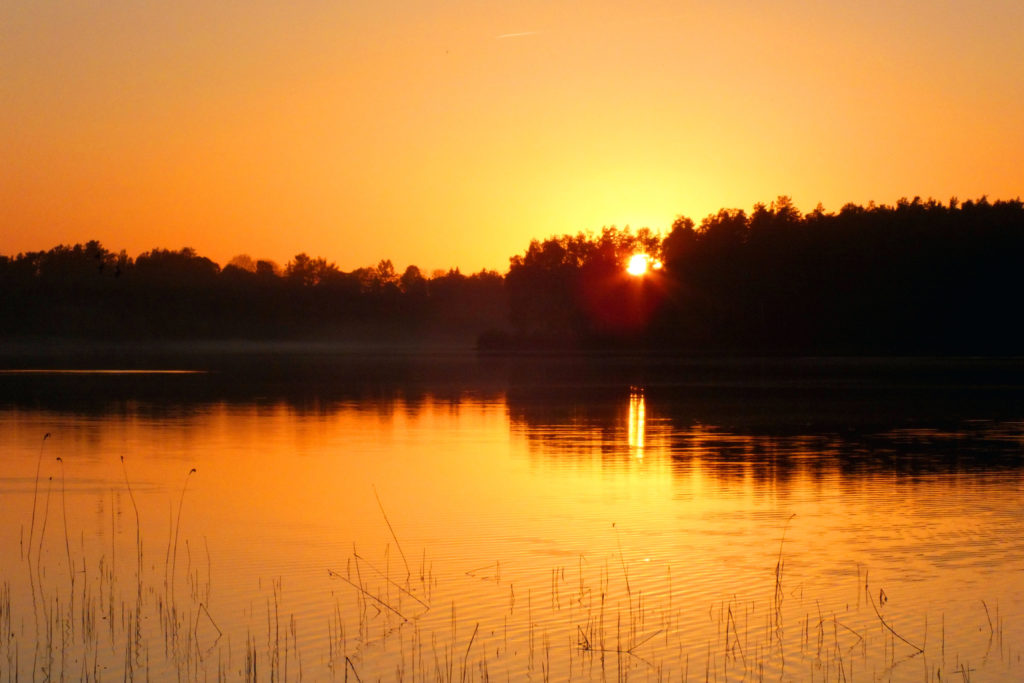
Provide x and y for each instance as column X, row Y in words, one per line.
column 448, row 517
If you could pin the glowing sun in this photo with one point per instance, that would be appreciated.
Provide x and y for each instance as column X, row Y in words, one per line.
column 639, row 264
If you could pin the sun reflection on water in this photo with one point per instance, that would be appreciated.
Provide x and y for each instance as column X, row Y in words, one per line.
column 637, row 421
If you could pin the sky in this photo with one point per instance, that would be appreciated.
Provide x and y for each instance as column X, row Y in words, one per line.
column 451, row 133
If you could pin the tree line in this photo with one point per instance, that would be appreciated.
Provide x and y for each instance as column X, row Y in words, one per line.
column 87, row 291
column 920, row 276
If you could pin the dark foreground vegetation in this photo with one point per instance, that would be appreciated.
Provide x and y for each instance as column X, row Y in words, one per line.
column 920, row 277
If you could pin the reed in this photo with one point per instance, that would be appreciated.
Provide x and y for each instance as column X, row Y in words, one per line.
column 67, row 538
column 177, row 529
column 42, row 528
column 35, row 490
column 138, row 521
column 408, row 572
column 597, row 618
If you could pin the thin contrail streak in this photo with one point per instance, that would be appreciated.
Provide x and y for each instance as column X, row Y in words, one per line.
column 643, row 21
column 517, row 35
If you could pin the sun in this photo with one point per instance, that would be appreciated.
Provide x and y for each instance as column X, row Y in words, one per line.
column 640, row 264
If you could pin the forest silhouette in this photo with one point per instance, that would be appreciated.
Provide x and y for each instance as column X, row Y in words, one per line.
column 920, row 277
column 88, row 292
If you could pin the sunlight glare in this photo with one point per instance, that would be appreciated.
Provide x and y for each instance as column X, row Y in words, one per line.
column 639, row 264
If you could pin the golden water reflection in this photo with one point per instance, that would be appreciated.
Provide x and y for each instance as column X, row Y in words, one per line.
column 637, row 420
column 555, row 494
column 740, row 439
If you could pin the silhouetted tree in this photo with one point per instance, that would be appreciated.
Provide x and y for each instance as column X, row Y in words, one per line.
column 916, row 277
column 574, row 287
column 242, row 262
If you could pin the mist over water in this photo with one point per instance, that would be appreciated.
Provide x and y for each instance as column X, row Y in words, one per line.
column 449, row 516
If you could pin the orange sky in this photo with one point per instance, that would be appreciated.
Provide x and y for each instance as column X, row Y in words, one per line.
column 451, row 133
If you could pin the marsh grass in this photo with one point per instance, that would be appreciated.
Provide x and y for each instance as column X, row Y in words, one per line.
column 93, row 616
column 597, row 624
column 94, row 620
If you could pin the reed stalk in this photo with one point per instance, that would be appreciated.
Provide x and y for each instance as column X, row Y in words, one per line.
column 35, row 491
column 177, row 529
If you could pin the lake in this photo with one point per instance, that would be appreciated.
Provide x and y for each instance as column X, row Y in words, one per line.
column 444, row 516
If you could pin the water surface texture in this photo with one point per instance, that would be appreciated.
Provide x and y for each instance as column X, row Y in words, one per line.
column 460, row 518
